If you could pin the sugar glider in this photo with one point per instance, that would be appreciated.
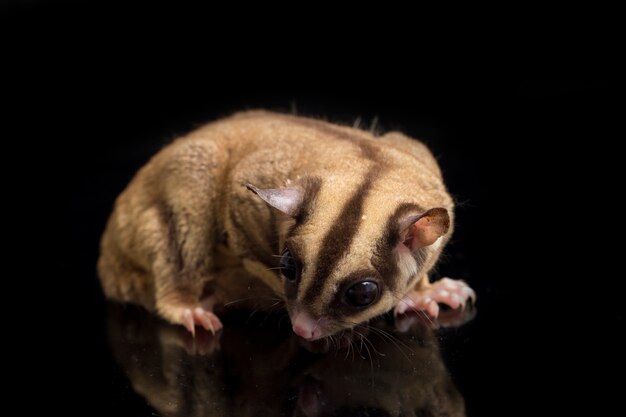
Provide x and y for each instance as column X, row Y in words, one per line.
column 342, row 225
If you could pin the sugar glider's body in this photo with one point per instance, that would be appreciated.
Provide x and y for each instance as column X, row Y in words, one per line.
column 342, row 206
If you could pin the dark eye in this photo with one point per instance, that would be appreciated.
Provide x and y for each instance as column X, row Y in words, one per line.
column 288, row 266
column 362, row 293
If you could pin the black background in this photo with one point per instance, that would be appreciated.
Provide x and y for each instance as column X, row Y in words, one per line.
column 93, row 93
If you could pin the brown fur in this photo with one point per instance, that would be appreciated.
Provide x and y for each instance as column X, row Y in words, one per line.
column 160, row 247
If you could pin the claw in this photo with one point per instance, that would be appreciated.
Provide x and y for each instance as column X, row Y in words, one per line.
column 207, row 319
column 188, row 322
column 471, row 294
column 204, row 319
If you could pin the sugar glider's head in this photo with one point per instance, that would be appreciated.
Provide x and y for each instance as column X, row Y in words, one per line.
column 343, row 260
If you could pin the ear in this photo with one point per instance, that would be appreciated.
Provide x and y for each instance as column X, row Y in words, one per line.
column 287, row 200
column 424, row 229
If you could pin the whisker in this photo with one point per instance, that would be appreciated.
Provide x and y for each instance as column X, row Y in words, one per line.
column 270, row 312
column 361, row 347
column 371, row 344
column 251, row 314
column 368, row 354
column 349, row 346
column 251, row 298
column 426, row 316
column 334, row 344
column 353, row 347
column 239, row 300
column 384, row 335
column 281, row 319
column 427, row 319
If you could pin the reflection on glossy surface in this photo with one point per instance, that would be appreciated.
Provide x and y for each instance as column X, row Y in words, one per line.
column 258, row 367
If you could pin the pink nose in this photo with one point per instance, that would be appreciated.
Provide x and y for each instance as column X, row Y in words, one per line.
column 305, row 326
column 303, row 331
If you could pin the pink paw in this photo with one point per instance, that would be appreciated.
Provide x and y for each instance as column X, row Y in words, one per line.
column 201, row 317
column 447, row 291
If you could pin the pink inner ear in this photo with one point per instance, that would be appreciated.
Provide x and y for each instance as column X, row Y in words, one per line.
column 286, row 199
column 427, row 229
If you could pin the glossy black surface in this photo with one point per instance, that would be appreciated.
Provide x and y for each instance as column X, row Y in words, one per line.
column 257, row 366
column 530, row 163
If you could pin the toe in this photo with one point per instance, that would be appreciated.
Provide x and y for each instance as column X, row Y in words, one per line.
column 203, row 319
column 454, row 301
column 217, row 324
column 404, row 305
column 208, row 320
column 432, row 308
column 188, row 321
column 449, row 284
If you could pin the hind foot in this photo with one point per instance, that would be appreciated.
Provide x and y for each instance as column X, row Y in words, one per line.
column 201, row 317
column 191, row 316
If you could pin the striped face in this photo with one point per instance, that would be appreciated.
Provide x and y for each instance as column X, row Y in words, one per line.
column 345, row 261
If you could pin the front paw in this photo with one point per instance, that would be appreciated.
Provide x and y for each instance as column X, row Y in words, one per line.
column 446, row 291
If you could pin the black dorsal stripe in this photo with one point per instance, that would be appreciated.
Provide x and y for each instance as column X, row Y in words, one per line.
column 337, row 240
column 175, row 250
column 355, row 136
column 311, row 186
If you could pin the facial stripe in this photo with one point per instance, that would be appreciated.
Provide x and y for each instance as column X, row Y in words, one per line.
column 339, row 237
column 384, row 259
column 311, row 187
column 273, row 238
